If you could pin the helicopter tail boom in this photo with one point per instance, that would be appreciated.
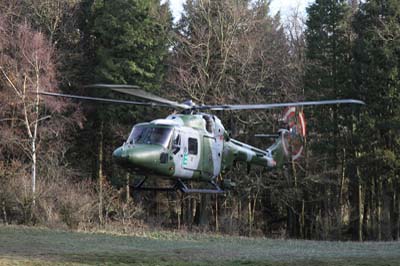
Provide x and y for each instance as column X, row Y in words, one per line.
column 288, row 144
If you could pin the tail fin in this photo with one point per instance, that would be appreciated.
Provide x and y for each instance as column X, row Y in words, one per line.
column 289, row 143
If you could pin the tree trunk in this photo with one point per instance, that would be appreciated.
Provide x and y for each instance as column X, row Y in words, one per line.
column 203, row 210
column 249, row 215
column 302, row 220
column 34, row 138
column 4, row 212
column 127, row 188
column 341, row 188
column 100, row 172
column 386, row 209
column 190, row 211
column 396, row 207
column 360, row 207
column 292, row 220
column 379, row 208
column 239, row 214
column 355, row 198
column 367, row 209
column 216, row 214
column 33, row 146
column 372, row 205
column 393, row 211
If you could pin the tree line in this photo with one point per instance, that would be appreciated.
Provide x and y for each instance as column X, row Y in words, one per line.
column 55, row 154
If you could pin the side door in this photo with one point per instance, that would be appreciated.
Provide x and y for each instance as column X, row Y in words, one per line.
column 186, row 153
column 191, row 156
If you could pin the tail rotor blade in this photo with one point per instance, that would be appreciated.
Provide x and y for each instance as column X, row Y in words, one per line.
column 266, row 135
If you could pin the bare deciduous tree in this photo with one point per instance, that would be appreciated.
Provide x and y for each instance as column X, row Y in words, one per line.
column 26, row 67
column 233, row 52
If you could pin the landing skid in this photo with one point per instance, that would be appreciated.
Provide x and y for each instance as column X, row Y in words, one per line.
column 183, row 188
column 179, row 185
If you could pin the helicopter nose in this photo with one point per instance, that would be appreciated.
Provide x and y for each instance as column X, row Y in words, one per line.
column 120, row 155
column 146, row 156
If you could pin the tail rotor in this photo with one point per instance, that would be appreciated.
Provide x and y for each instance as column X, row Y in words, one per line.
column 293, row 137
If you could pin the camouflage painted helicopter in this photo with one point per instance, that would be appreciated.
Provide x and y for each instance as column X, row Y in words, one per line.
column 194, row 146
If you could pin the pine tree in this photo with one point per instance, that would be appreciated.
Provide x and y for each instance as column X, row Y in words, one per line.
column 377, row 81
column 124, row 42
column 328, row 76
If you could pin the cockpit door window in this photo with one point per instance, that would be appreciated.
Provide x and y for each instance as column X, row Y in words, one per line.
column 176, row 144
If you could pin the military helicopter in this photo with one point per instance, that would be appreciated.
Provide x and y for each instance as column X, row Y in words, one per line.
column 192, row 145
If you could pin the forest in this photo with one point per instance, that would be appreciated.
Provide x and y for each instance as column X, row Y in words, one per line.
column 56, row 168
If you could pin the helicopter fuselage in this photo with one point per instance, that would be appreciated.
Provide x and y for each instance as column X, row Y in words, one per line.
column 187, row 147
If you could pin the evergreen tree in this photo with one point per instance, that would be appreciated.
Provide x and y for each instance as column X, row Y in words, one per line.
column 328, row 76
column 124, row 42
column 129, row 42
column 377, row 81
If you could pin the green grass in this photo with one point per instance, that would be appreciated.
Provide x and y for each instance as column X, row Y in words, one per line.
column 38, row 246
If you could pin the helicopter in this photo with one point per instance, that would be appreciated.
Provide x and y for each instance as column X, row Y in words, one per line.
column 193, row 145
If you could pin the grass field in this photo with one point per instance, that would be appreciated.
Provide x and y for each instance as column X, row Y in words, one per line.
column 35, row 246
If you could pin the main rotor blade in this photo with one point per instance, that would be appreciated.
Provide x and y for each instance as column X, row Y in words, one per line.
column 275, row 105
column 135, row 91
column 103, row 99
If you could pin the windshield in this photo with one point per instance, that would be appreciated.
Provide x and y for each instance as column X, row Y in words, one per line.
column 150, row 135
column 136, row 132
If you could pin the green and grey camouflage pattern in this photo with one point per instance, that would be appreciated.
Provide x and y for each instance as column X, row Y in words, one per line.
column 197, row 147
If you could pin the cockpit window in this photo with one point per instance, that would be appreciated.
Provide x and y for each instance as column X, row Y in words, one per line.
column 150, row 135
column 135, row 134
